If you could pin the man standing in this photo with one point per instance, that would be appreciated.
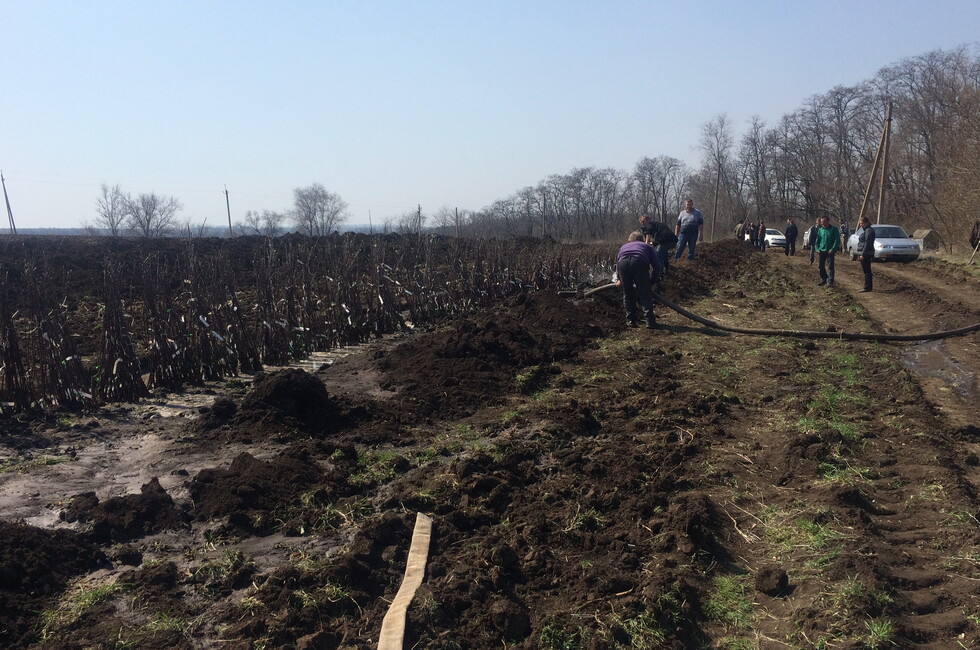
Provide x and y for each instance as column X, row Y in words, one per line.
column 634, row 262
column 740, row 230
column 690, row 228
column 845, row 232
column 791, row 234
column 866, row 250
column 811, row 239
column 660, row 235
column 827, row 245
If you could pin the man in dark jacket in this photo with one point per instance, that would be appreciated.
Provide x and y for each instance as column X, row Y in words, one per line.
column 659, row 235
column 866, row 250
column 634, row 263
column 791, row 233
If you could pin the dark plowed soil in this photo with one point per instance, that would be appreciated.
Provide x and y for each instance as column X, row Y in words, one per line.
column 591, row 485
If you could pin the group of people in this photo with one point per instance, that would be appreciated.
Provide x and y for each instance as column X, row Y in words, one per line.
column 755, row 233
column 644, row 259
column 825, row 242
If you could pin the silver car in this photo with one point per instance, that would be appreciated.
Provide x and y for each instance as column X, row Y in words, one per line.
column 891, row 243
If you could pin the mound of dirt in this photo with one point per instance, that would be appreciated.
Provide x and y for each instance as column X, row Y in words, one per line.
column 35, row 566
column 471, row 363
column 282, row 404
column 250, row 489
column 129, row 517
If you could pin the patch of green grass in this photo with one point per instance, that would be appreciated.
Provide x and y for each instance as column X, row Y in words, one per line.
column 69, row 611
column 588, row 519
column 531, row 380
column 838, row 471
column 508, row 418
column 555, row 637
column 250, row 605
column 816, row 544
column 644, row 633
column 375, row 467
column 734, row 643
column 880, row 633
column 164, row 622
column 24, row 464
column 730, row 601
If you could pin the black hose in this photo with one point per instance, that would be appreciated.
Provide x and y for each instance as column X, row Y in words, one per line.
column 850, row 336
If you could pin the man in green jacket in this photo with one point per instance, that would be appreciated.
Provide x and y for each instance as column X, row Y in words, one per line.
column 827, row 245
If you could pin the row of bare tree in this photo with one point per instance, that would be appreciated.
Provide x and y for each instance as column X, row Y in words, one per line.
column 816, row 160
column 316, row 212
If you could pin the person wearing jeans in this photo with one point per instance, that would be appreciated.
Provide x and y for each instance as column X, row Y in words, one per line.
column 866, row 251
column 827, row 245
column 634, row 263
column 661, row 237
column 689, row 228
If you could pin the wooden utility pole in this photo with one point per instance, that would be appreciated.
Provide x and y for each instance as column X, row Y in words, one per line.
column 874, row 166
column 714, row 208
column 6, row 199
column 887, row 136
column 231, row 233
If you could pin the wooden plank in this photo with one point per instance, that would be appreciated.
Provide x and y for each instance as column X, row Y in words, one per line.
column 393, row 627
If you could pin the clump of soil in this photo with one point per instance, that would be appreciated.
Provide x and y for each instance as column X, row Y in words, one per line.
column 35, row 566
column 129, row 517
column 219, row 414
column 251, row 489
column 282, row 404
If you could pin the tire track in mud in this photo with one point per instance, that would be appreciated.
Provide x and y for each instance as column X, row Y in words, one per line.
column 913, row 510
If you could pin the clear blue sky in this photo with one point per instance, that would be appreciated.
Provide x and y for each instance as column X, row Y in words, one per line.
column 391, row 104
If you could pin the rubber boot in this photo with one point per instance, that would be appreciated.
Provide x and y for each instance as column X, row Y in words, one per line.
column 651, row 320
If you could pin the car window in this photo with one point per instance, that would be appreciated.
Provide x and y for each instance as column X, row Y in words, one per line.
column 772, row 231
column 890, row 231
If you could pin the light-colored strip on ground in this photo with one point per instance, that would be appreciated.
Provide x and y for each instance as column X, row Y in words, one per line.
column 393, row 627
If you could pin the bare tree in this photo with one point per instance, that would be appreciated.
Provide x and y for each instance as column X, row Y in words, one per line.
column 111, row 210
column 318, row 212
column 267, row 224
column 151, row 215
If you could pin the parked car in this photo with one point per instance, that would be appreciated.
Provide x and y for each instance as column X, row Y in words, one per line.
column 891, row 243
column 806, row 239
column 775, row 238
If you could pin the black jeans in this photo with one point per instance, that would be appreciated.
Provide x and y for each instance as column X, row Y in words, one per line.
column 634, row 277
column 866, row 267
column 826, row 266
column 790, row 247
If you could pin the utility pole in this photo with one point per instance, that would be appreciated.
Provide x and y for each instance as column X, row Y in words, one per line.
column 714, row 209
column 418, row 221
column 10, row 214
column 231, row 233
column 370, row 225
column 884, row 158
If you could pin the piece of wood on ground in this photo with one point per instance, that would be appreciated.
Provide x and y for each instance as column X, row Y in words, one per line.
column 393, row 626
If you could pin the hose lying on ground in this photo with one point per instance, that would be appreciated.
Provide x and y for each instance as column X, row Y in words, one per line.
column 850, row 336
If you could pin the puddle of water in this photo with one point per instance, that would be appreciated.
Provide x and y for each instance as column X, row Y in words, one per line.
column 932, row 360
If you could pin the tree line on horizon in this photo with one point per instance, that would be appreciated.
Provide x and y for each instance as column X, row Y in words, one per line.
column 815, row 161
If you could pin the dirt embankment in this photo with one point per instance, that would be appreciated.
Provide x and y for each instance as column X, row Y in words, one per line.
column 592, row 486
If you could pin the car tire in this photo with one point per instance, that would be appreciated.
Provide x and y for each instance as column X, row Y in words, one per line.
column 853, row 254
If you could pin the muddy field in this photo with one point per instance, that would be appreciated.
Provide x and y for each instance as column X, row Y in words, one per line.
column 591, row 485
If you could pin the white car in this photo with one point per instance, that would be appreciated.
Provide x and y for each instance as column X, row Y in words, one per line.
column 891, row 243
column 775, row 238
